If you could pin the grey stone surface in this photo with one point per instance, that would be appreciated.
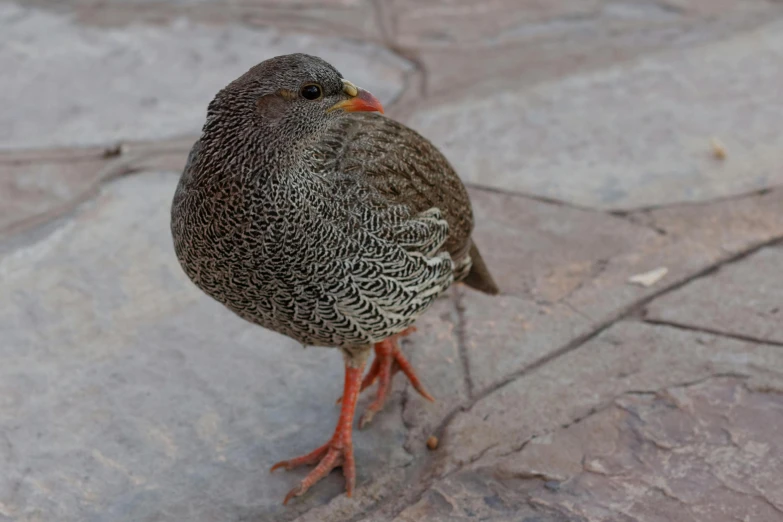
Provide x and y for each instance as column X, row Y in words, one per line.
column 631, row 136
column 505, row 334
column 37, row 186
column 91, row 306
column 349, row 19
column 540, row 254
column 484, row 47
column 743, row 298
column 697, row 452
column 629, row 357
column 34, row 189
column 564, row 272
column 147, row 82
column 545, row 252
column 449, row 24
column 731, row 225
column 435, row 353
column 129, row 395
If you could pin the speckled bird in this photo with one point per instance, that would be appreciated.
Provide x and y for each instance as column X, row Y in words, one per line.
column 304, row 210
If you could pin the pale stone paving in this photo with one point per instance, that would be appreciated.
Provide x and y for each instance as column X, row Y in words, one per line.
column 127, row 395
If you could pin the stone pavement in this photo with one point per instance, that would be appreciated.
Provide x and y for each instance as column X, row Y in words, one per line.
column 601, row 139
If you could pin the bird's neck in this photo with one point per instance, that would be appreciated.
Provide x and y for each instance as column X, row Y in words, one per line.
column 247, row 154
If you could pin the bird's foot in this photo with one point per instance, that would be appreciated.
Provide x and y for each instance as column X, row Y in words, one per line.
column 338, row 451
column 389, row 360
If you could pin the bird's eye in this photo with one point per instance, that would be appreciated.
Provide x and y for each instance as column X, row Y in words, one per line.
column 311, row 91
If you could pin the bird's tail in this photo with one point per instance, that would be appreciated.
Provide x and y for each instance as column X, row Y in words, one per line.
column 479, row 276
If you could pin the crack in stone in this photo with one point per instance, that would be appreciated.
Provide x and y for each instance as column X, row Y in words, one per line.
column 124, row 167
column 597, row 268
column 697, row 382
column 409, row 500
column 415, row 495
column 10, row 456
column 670, row 495
column 462, row 345
column 386, row 23
column 615, row 402
column 407, row 425
column 712, row 331
column 630, row 216
column 669, row 7
column 757, row 495
column 593, row 411
column 140, row 149
column 387, row 27
column 642, row 218
column 128, row 163
column 701, row 203
column 533, row 197
column 111, row 172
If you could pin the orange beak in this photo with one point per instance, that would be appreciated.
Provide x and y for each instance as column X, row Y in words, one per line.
column 360, row 100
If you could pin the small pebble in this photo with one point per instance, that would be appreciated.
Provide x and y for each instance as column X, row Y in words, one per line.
column 718, row 150
column 432, row 442
column 115, row 150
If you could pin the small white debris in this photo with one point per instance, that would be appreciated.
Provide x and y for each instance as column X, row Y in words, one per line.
column 648, row 279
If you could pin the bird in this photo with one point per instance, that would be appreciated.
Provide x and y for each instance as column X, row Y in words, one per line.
column 304, row 209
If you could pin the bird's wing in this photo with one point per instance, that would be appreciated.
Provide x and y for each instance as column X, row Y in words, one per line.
column 372, row 268
column 404, row 167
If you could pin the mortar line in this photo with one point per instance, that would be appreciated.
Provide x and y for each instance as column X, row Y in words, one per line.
column 712, row 331
column 462, row 345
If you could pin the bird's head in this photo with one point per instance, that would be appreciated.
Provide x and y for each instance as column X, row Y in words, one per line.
column 285, row 100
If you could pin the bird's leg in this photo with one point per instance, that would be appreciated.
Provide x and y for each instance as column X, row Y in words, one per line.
column 389, row 360
column 375, row 368
column 339, row 450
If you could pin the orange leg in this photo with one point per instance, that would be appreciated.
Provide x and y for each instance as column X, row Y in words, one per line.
column 388, row 361
column 339, row 450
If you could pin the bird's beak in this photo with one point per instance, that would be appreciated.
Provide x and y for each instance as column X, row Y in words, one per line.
column 360, row 100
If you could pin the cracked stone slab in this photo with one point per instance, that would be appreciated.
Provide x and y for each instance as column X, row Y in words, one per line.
column 40, row 186
column 480, row 48
column 545, row 252
column 435, row 354
column 701, row 452
column 343, row 18
column 743, row 298
column 564, row 272
column 504, row 334
column 629, row 136
column 629, row 356
column 440, row 24
column 541, row 255
column 732, row 225
column 145, row 82
column 31, row 190
column 128, row 395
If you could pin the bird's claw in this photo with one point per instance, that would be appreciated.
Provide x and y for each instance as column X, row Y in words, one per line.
column 329, row 456
column 388, row 361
